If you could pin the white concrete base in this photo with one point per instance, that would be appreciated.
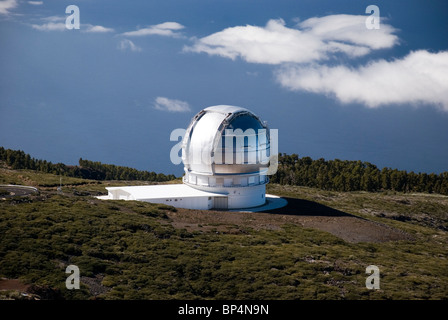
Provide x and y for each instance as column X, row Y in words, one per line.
column 239, row 197
column 250, row 199
column 272, row 202
column 176, row 195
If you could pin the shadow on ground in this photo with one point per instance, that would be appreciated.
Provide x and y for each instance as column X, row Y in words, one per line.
column 308, row 214
column 346, row 226
column 308, row 208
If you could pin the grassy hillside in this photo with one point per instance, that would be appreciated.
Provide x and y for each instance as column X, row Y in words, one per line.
column 135, row 250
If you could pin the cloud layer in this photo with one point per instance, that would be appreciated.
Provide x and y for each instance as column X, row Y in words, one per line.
column 57, row 23
column 419, row 77
column 54, row 25
column 168, row 29
column 127, row 44
column 171, row 105
column 304, row 56
column 50, row 26
column 6, row 5
column 303, row 53
column 96, row 29
column 314, row 39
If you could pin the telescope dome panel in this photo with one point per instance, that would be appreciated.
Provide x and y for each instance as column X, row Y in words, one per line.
column 225, row 139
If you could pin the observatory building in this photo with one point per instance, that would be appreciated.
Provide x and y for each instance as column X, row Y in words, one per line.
column 225, row 151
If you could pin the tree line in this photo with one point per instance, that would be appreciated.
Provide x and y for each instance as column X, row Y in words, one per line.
column 335, row 175
column 345, row 175
column 17, row 159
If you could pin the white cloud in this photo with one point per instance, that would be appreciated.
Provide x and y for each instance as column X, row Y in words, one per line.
column 127, row 44
column 171, row 105
column 57, row 23
column 349, row 28
column 314, row 39
column 36, row 3
column 54, row 18
column 96, row 29
column 6, row 5
column 252, row 73
column 51, row 23
column 421, row 77
column 50, row 26
column 168, row 29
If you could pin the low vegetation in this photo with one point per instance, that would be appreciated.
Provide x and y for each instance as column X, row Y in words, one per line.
column 416, row 208
column 131, row 250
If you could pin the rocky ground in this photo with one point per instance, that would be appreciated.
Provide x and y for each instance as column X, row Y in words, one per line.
column 303, row 212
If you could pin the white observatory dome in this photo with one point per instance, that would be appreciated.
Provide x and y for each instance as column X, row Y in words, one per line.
column 226, row 150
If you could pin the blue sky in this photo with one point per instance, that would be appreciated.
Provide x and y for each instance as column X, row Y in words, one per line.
column 114, row 90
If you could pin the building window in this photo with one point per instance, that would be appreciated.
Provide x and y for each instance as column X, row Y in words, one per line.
column 228, row 182
column 251, row 180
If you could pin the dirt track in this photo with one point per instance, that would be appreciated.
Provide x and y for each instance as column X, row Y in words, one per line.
column 301, row 212
column 15, row 191
column 13, row 284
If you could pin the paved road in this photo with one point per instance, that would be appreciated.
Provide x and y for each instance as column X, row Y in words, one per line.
column 17, row 190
